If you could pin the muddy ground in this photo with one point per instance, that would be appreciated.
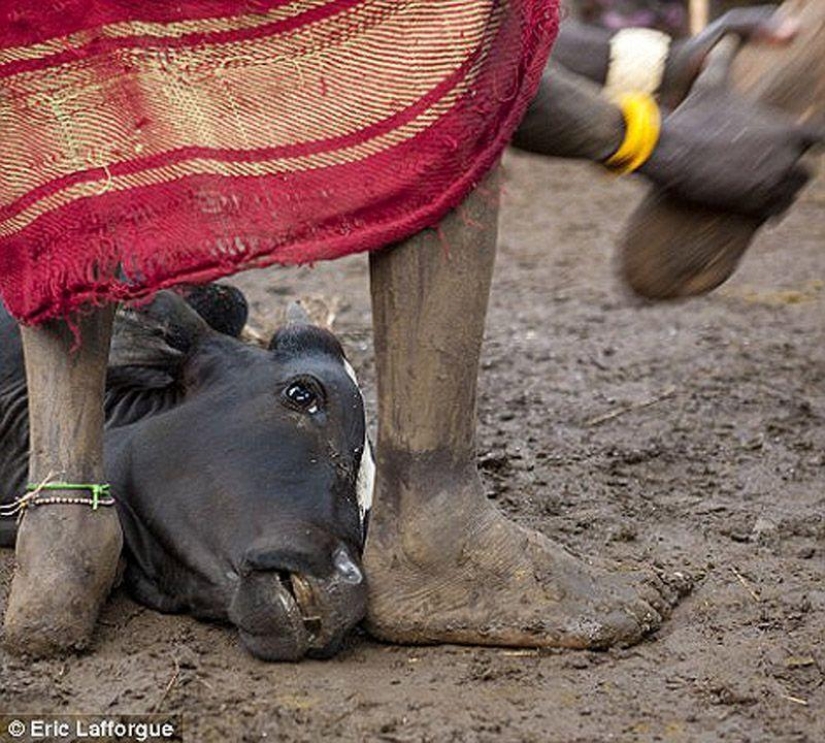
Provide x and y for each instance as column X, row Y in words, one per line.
column 689, row 436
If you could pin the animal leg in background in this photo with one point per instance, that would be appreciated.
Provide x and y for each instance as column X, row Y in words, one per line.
column 443, row 565
column 67, row 555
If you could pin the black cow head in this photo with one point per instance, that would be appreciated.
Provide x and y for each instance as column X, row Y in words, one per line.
column 243, row 495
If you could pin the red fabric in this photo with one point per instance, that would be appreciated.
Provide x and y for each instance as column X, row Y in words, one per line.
column 139, row 153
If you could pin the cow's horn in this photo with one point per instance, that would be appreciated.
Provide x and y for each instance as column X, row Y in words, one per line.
column 297, row 315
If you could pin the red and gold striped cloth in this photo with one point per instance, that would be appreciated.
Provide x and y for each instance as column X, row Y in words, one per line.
column 147, row 143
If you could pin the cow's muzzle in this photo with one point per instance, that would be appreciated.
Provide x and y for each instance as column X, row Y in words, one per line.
column 285, row 614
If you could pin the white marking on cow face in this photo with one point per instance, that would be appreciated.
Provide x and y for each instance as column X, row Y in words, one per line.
column 366, row 472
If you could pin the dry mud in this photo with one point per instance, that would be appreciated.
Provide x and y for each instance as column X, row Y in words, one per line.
column 689, row 436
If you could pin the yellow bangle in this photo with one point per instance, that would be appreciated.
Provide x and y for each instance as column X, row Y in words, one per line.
column 643, row 123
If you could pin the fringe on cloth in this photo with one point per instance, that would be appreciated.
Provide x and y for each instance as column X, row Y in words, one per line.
column 149, row 143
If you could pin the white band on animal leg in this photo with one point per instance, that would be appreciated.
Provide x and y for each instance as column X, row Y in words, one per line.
column 637, row 62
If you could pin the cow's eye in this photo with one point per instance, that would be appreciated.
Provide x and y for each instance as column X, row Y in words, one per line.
column 303, row 395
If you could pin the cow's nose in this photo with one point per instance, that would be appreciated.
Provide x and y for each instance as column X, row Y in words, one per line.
column 290, row 559
column 346, row 567
column 289, row 603
column 302, row 561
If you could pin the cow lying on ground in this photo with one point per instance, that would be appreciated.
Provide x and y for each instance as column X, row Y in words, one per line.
column 413, row 109
column 241, row 475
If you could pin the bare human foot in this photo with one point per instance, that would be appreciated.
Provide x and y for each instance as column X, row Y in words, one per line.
column 442, row 564
column 67, row 555
column 67, row 558
column 456, row 570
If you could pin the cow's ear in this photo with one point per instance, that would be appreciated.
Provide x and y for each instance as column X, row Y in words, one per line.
column 160, row 334
column 224, row 307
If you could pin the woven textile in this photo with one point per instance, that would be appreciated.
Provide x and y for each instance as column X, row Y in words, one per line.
column 148, row 143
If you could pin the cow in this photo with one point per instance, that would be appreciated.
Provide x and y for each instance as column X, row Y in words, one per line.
column 241, row 475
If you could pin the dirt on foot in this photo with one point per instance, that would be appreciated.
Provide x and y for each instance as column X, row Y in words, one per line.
column 689, row 437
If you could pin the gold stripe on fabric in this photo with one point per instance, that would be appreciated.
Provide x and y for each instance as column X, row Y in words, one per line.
column 306, row 87
column 160, row 31
column 206, row 166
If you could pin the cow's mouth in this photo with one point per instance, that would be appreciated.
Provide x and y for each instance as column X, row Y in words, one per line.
column 301, row 591
column 284, row 616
